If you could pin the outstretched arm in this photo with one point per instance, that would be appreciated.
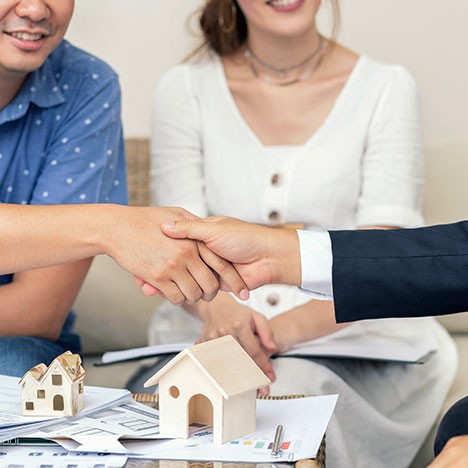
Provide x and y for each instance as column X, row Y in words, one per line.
column 40, row 236
column 376, row 273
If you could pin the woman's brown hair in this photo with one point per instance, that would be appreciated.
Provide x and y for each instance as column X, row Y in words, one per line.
column 224, row 26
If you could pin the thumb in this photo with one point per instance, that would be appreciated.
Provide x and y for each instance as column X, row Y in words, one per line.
column 185, row 229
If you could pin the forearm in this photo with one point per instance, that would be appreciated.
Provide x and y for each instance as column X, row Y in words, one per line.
column 37, row 302
column 303, row 323
column 39, row 236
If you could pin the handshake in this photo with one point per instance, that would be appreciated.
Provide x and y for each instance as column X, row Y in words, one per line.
column 177, row 255
column 169, row 250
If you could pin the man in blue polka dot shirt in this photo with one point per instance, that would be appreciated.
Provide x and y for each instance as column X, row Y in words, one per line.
column 60, row 143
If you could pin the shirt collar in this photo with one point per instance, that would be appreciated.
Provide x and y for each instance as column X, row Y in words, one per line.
column 40, row 88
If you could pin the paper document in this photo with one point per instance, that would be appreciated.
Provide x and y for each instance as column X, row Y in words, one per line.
column 145, row 351
column 14, row 424
column 304, row 420
column 347, row 348
column 132, row 429
column 106, row 429
column 351, row 350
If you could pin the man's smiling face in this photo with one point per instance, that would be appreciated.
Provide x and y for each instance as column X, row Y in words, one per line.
column 29, row 31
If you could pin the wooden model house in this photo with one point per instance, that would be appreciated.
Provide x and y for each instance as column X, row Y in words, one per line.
column 213, row 383
column 56, row 390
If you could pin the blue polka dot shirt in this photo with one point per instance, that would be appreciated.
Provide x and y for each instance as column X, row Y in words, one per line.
column 61, row 137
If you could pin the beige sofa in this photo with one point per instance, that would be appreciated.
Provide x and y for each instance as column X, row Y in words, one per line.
column 113, row 314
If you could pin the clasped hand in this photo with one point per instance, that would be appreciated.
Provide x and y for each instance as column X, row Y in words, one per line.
column 259, row 254
column 183, row 271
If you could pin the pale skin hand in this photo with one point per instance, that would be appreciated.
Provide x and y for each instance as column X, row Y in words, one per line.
column 260, row 254
column 224, row 316
column 183, row 272
column 262, row 337
column 453, row 455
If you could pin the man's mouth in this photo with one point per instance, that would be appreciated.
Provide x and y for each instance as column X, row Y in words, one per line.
column 25, row 36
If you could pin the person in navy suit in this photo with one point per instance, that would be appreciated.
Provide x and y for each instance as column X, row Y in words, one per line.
column 370, row 274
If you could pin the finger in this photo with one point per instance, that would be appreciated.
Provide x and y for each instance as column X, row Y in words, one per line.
column 264, row 332
column 264, row 391
column 187, row 229
column 171, row 291
column 138, row 281
column 188, row 286
column 251, row 344
column 229, row 277
column 206, row 279
column 149, row 290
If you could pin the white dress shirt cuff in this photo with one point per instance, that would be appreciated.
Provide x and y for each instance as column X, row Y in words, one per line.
column 316, row 261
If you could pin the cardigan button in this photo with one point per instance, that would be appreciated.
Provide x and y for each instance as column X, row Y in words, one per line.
column 273, row 299
column 274, row 216
column 275, row 180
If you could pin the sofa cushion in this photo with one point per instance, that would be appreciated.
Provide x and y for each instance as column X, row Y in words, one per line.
column 112, row 311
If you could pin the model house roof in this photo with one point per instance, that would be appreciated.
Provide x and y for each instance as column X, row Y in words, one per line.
column 38, row 371
column 68, row 363
column 224, row 362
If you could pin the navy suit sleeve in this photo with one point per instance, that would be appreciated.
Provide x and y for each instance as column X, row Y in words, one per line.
column 401, row 272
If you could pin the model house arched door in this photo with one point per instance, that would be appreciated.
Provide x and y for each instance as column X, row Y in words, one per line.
column 200, row 410
column 58, row 403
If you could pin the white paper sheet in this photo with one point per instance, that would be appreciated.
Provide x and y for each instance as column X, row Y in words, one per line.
column 328, row 348
column 145, row 351
column 304, row 420
column 105, row 430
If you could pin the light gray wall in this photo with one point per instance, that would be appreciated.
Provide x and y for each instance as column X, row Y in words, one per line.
column 142, row 38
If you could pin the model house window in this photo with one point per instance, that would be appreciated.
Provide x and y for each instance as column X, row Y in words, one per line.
column 30, row 406
column 174, row 392
column 80, row 387
column 41, row 394
column 56, row 379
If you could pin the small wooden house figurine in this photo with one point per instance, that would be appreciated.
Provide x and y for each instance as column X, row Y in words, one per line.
column 213, row 383
column 57, row 390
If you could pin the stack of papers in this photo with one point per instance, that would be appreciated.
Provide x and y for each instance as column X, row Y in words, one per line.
column 13, row 424
column 109, row 429
column 304, row 421
column 112, row 423
column 132, row 430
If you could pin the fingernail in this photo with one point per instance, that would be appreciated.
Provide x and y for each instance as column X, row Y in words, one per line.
column 244, row 294
column 169, row 225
